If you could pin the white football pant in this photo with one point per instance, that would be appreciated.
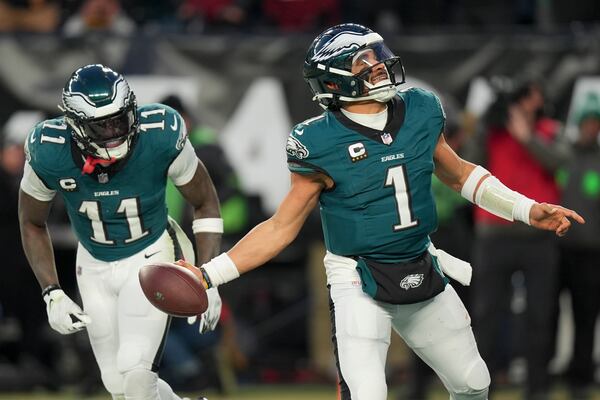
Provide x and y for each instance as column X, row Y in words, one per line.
column 438, row 330
column 127, row 332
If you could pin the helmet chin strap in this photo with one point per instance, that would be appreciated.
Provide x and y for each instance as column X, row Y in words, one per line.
column 114, row 153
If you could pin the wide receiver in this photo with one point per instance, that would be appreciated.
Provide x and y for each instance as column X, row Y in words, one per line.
column 367, row 161
column 110, row 160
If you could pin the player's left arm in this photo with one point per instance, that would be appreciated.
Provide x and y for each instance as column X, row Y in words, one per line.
column 480, row 187
column 200, row 192
column 190, row 177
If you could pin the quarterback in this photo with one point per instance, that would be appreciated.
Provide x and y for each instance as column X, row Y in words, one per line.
column 367, row 162
column 110, row 159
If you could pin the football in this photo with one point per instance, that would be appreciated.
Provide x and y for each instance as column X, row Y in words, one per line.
column 173, row 289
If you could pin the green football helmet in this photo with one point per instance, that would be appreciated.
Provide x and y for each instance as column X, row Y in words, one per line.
column 349, row 63
column 102, row 111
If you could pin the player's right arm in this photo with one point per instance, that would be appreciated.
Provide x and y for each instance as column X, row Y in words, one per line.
column 33, row 215
column 270, row 237
column 35, row 199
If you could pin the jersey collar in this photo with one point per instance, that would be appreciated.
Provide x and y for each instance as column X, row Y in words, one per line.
column 396, row 112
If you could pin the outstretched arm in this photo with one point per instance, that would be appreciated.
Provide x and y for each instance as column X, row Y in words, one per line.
column 480, row 187
column 269, row 237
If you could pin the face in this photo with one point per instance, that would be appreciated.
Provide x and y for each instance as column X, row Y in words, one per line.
column 12, row 159
column 589, row 129
column 367, row 59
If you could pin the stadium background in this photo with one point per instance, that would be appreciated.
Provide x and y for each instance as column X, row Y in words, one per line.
column 241, row 80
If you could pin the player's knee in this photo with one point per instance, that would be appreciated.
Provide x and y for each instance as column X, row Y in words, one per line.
column 141, row 384
column 367, row 387
column 129, row 357
column 113, row 382
column 476, row 382
column 478, row 377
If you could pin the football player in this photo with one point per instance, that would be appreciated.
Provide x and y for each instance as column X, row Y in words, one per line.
column 367, row 161
column 109, row 159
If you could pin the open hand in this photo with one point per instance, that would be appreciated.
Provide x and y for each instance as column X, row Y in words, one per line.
column 551, row 217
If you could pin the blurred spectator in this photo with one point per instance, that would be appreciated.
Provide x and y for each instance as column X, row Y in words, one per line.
column 201, row 15
column 30, row 350
column 156, row 15
column 29, row 16
column 580, row 250
column 301, row 15
column 236, row 211
column 523, row 151
column 100, row 16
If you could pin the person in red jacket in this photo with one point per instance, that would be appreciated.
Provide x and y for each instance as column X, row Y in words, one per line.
column 522, row 149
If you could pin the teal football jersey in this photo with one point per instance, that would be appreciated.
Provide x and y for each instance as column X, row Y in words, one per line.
column 119, row 210
column 381, row 206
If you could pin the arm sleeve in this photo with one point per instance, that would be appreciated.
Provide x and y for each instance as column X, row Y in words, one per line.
column 33, row 185
column 551, row 155
column 183, row 168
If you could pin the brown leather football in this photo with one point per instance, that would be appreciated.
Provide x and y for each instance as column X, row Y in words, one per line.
column 173, row 289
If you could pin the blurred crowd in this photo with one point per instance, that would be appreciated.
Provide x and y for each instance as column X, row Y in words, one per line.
column 273, row 326
column 125, row 17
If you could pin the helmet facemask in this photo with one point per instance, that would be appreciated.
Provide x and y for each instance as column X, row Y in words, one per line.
column 108, row 138
column 374, row 69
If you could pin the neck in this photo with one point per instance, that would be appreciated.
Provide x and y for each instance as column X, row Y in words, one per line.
column 364, row 107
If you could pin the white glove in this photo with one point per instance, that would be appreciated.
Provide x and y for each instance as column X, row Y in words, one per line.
column 210, row 318
column 64, row 315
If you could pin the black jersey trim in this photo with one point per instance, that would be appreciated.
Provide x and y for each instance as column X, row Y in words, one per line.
column 161, row 346
column 293, row 161
column 344, row 388
column 396, row 114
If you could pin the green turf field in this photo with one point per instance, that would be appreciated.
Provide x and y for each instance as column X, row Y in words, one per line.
column 282, row 393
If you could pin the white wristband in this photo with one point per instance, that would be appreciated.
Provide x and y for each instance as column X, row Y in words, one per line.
column 522, row 209
column 212, row 225
column 220, row 270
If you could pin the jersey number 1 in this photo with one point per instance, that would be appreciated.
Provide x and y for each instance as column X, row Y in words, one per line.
column 129, row 207
column 396, row 176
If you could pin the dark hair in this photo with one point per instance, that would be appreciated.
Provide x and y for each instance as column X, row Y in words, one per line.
column 174, row 102
column 508, row 91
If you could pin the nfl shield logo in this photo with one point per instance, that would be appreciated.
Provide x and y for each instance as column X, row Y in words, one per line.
column 103, row 177
column 386, row 138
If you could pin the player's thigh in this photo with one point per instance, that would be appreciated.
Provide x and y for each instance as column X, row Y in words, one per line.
column 99, row 299
column 361, row 337
column 439, row 331
column 142, row 327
